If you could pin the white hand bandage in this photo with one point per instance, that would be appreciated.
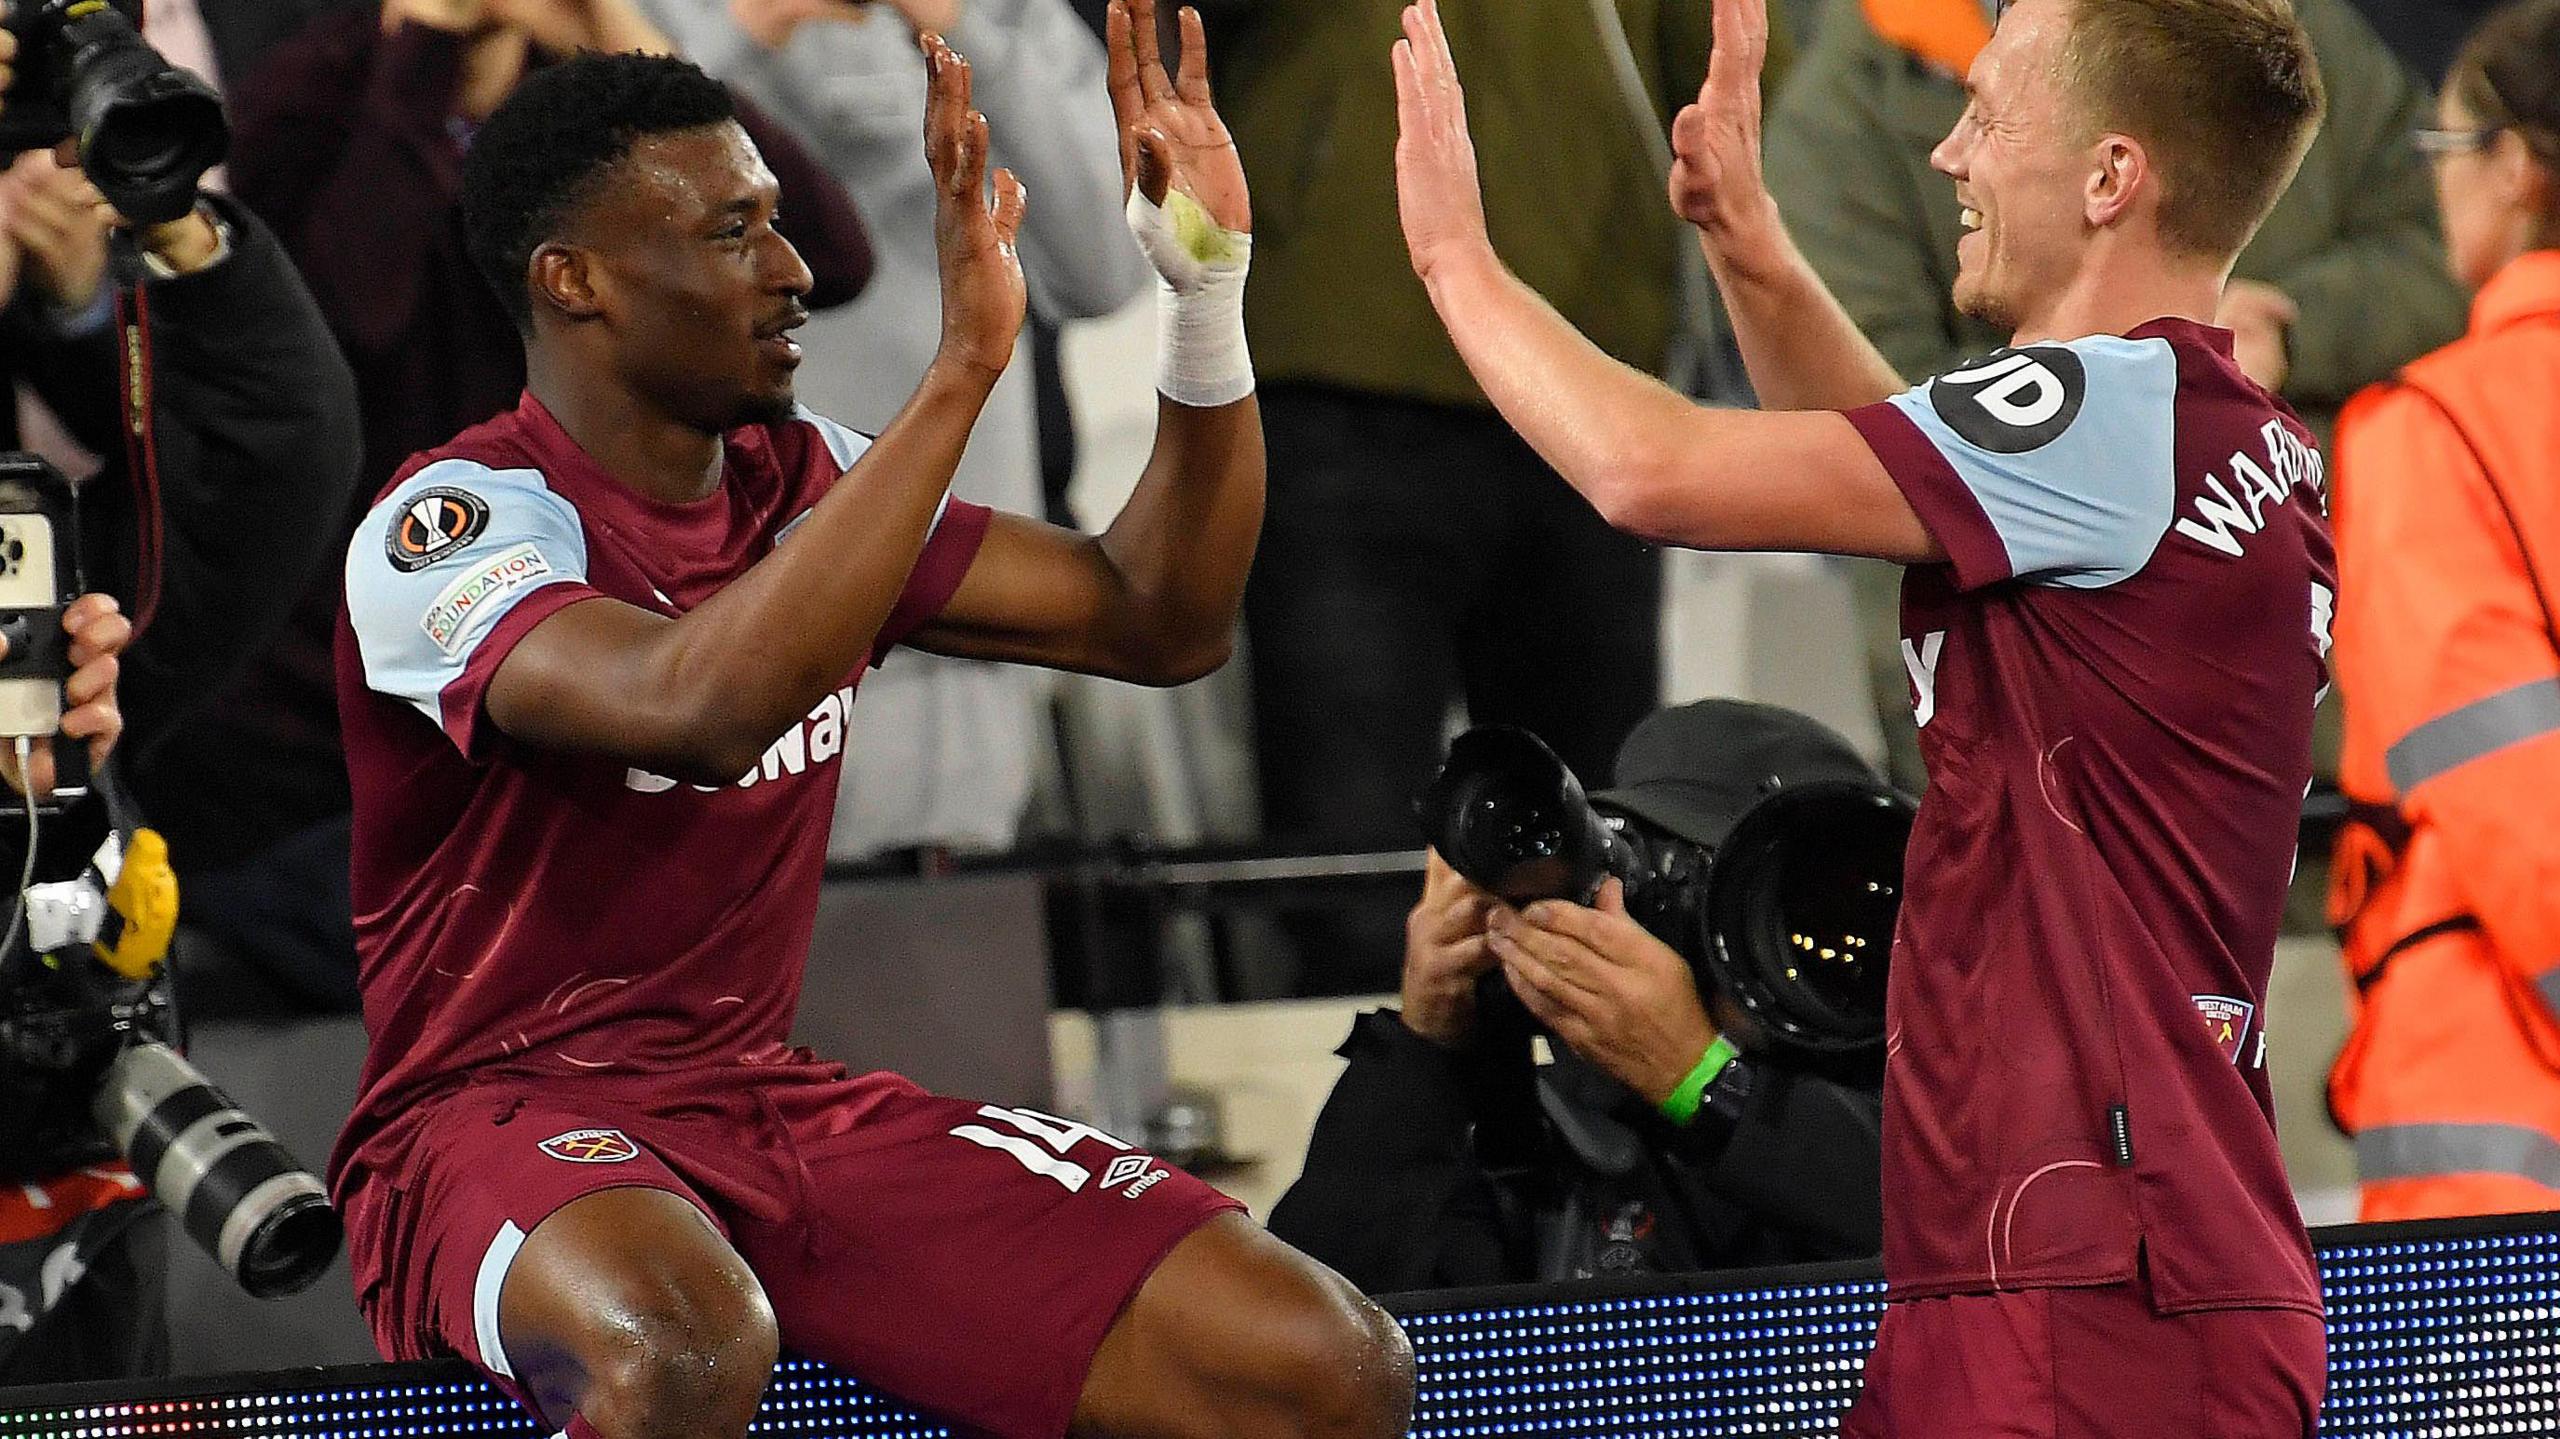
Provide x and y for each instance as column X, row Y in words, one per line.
column 1201, row 357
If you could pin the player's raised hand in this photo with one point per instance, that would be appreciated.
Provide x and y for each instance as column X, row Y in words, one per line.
column 1171, row 138
column 973, row 233
column 1716, row 183
column 1437, row 192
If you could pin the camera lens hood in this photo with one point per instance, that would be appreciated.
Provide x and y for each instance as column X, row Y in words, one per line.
column 1800, row 908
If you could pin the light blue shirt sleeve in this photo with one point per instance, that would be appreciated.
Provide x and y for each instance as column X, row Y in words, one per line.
column 2069, row 449
column 843, row 441
column 436, row 563
column 844, row 445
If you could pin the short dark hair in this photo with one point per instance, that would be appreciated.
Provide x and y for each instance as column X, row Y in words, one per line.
column 541, row 155
column 2225, row 94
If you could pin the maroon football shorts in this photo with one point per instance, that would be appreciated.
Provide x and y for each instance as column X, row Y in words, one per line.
column 2094, row 1363
column 966, row 1258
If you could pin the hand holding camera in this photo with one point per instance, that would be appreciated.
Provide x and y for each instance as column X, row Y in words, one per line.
column 144, row 130
column 1745, row 842
column 99, row 632
column 1613, row 993
column 58, row 222
column 1445, row 954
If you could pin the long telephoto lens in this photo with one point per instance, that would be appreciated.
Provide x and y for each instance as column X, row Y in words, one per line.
column 1801, row 911
column 262, row 1216
column 1507, row 814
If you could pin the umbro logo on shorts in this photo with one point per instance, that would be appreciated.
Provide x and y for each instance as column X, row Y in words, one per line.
column 1132, row 1170
column 591, row 1146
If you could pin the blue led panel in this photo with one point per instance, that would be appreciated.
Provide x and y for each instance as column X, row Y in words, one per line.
column 2436, row 1331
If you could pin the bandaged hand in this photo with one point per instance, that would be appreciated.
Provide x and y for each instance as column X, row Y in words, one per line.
column 1188, row 205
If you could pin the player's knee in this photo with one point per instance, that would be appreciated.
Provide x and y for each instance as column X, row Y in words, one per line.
column 1345, row 1364
column 684, row 1369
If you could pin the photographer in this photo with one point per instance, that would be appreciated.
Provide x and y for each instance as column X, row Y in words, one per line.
column 1675, row 1130
column 204, row 523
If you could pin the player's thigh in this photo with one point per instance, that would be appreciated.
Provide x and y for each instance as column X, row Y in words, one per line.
column 968, row 1258
column 632, row 1291
column 546, row 1240
column 1236, row 1324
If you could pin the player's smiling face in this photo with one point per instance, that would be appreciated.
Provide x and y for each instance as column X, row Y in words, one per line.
column 704, row 289
column 2018, row 162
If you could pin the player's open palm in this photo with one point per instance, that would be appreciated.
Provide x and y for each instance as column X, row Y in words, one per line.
column 1171, row 138
column 1716, row 183
column 973, row 233
column 1437, row 192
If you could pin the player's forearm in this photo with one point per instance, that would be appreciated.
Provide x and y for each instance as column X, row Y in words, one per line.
column 1801, row 348
column 1608, row 429
column 1184, row 542
column 746, row 664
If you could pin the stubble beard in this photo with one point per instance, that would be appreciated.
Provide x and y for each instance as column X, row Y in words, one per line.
column 1976, row 300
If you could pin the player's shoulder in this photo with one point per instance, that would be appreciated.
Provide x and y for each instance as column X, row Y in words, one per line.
column 807, row 438
column 2074, row 398
column 441, row 504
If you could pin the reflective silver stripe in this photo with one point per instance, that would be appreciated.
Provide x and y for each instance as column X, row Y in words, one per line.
column 2454, row 739
column 2549, row 983
column 2424, row 1151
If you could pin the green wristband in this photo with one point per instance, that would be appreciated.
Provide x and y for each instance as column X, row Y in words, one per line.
column 1681, row 1105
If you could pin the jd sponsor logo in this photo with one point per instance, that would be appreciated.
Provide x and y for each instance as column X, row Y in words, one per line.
column 2012, row 401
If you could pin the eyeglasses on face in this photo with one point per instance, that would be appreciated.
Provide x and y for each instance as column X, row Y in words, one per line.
column 2436, row 144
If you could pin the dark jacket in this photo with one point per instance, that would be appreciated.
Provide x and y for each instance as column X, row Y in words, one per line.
column 243, row 31
column 254, row 428
column 1436, row 1168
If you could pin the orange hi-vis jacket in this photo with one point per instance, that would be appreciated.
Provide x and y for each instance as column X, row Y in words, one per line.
column 2446, row 885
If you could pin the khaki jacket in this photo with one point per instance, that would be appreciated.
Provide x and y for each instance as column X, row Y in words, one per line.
column 1572, row 193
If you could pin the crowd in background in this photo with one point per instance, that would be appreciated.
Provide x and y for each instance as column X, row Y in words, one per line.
column 1419, row 561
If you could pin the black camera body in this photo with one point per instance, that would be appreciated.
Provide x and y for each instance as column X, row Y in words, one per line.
column 61, row 1027
column 1789, row 914
column 146, row 130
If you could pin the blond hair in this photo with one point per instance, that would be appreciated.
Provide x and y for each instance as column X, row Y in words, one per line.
column 2223, row 94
